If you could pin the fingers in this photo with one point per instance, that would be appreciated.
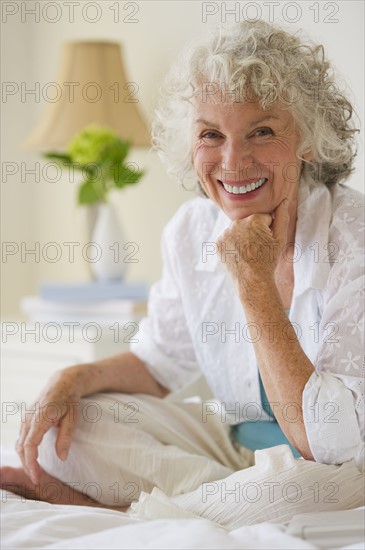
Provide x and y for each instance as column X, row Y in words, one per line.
column 65, row 432
column 19, row 446
column 31, row 435
column 31, row 444
column 265, row 219
column 55, row 407
column 280, row 223
column 27, row 449
column 256, row 219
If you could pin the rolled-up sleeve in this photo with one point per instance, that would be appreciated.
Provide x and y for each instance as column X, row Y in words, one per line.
column 333, row 398
column 334, row 428
column 164, row 342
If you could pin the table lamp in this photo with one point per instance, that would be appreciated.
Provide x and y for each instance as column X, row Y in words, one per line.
column 91, row 88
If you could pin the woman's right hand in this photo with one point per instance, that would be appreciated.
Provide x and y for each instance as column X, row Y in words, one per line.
column 57, row 406
column 59, row 403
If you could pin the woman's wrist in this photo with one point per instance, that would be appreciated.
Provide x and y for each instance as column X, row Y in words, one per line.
column 82, row 378
column 254, row 288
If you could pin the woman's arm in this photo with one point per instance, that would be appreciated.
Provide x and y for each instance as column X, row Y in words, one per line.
column 283, row 365
column 124, row 373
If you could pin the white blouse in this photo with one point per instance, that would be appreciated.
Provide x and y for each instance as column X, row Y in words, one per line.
column 196, row 322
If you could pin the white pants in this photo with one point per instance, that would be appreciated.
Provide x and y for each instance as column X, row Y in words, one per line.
column 170, row 460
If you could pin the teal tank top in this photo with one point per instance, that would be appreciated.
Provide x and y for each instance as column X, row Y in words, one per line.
column 261, row 434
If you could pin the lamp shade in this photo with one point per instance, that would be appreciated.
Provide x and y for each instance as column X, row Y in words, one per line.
column 91, row 88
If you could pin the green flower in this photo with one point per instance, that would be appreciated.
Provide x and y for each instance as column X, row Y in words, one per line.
column 92, row 145
column 99, row 153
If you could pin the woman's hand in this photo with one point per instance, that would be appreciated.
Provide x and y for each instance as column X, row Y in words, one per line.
column 250, row 248
column 59, row 403
column 57, row 406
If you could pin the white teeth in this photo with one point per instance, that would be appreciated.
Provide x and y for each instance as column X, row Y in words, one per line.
column 235, row 190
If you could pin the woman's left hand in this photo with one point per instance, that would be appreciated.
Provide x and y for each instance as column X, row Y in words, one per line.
column 251, row 247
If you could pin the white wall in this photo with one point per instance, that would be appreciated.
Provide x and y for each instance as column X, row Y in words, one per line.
column 44, row 212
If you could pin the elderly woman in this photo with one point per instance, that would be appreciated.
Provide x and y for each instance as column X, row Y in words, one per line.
column 261, row 290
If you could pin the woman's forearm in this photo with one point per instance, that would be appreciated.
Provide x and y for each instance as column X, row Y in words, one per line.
column 124, row 373
column 283, row 365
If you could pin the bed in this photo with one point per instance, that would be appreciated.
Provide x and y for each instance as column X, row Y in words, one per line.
column 31, row 524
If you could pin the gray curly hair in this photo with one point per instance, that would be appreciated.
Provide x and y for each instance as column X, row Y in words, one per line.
column 264, row 60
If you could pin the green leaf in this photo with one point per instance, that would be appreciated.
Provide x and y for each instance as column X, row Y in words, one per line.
column 114, row 154
column 92, row 171
column 122, row 175
column 120, row 151
column 57, row 156
column 62, row 160
column 88, row 193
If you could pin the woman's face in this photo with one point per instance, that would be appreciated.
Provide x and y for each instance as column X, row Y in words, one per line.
column 244, row 157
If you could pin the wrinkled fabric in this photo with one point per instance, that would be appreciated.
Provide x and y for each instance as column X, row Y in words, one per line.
column 128, row 443
column 274, row 490
column 167, row 460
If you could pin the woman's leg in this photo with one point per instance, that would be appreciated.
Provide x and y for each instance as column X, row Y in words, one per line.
column 276, row 488
column 128, row 444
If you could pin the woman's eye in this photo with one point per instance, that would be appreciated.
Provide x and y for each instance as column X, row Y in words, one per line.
column 263, row 132
column 210, row 135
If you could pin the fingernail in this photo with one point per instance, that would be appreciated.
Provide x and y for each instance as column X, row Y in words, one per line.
column 63, row 454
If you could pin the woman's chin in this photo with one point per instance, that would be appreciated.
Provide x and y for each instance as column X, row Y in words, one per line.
column 236, row 213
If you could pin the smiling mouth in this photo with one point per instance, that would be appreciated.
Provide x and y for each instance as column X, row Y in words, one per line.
column 243, row 189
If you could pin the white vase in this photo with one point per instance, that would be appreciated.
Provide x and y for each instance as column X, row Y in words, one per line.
column 108, row 241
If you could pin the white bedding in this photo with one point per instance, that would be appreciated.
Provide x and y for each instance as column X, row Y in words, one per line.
column 30, row 524
column 41, row 525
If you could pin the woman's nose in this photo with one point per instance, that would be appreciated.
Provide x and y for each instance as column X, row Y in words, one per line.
column 237, row 159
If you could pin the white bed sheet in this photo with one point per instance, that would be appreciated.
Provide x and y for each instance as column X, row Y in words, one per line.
column 31, row 524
